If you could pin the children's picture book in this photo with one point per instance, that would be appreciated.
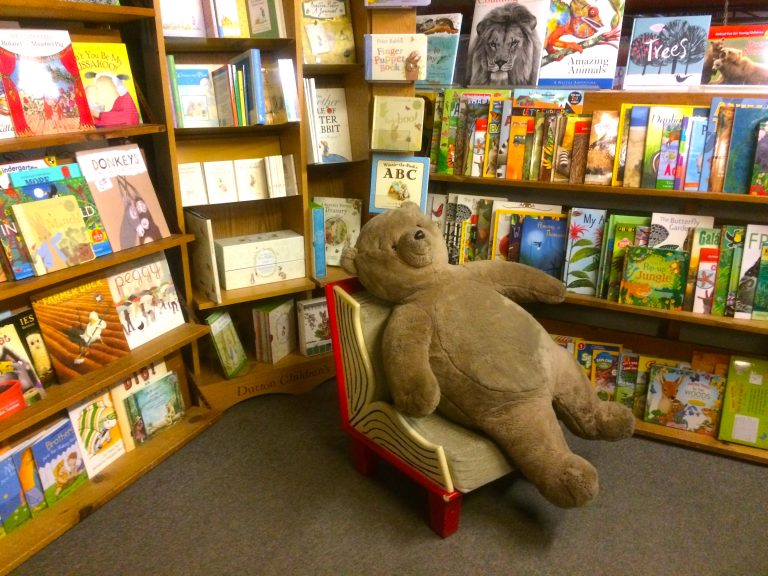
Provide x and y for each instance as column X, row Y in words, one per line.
column 703, row 243
column 98, row 435
column 605, row 364
column 685, row 399
column 227, row 343
column 622, row 237
column 442, row 32
column 736, row 55
column 274, row 323
column 601, row 151
column 542, row 243
column 723, row 136
column 343, row 219
column 395, row 57
column 29, row 477
column 230, row 18
column 760, row 300
column 28, row 329
column 80, row 326
column 327, row 36
column 185, row 20
column 220, row 181
column 124, row 195
column 41, row 81
column 585, row 350
column 194, row 98
column 729, row 260
column 658, row 118
column 266, row 18
column 740, row 158
column 653, row 278
column 192, row 184
column 396, row 179
column 15, row 364
column 332, row 143
column 581, row 45
column 59, row 460
column 670, row 231
column 744, row 419
column 205, row 275
column 622, row 134
column 105, row 72
column 145, row 298
column 755, row 236
column 668, row 154
column 695, row 153
column 13, row 505
column 154, row 407
column 758, row 185
column 610, row 267
column 644, row 364
column 667, row 51
column 633, row 166
column 314, row 326
column 251, row 179
column 626, row 378
column 499, row 113
column 397, row 123
column 582, row 249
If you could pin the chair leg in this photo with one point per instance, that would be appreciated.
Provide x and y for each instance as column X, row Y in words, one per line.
column 364, row 459
column 444, row 512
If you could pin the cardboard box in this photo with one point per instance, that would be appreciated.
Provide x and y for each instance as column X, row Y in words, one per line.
column 258, row 259
column 744, row 419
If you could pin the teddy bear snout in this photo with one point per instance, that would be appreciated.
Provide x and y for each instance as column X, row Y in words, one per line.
column 414, row 249
column 419, row 235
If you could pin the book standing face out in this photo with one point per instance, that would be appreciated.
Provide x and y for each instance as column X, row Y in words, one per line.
column 227, row 344
column 342, row 225
column 327, row 36
column 397, row 179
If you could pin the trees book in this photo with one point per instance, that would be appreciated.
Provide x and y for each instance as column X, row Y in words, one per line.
column 98, row 435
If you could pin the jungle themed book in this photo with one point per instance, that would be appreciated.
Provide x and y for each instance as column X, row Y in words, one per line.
column 227, row 343
column 98, row 435
column 653, row 278
column 327, row 36
column 59, row 460
column 154, row 407
column 442, row 31
column 124, row 195
column 127, row 387
column 397, row 123
column 582, row 249
column 581, row 45
column 396, row 179
column 744, row 419
column 81, row 328
column 105, row 72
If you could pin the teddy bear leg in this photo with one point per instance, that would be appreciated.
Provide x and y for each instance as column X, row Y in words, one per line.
column 531, row 436
column 578, row 406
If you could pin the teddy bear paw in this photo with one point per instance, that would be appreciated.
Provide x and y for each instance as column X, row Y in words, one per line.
column 570, row 483
column 614, row 421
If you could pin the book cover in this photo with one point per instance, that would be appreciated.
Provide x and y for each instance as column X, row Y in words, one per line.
column 28, row 329
column 658, row 118
column 276, row 185
column 397, row 123
column 220, row 181
column 701, row 238
column 670, row 231
column 223, row 90
column 474, row 106
column 499, row 110
column 105, row 72
column 317, row 225
column 194, row 95
column 314, row 326
column 81, row 328
column 154, row 407
column 343, row 219
column 622, row 134
column 275, row 109
column 744, row 418
column 442, row 32
column 623, row 236
column 98, row 435
column 227, row 343
column 605, row 365
column 644, row 364
column 397, row 179
column 437, row 118
column 494, row 63
column 266, row 18
column 685, row 399
column 564, row 147
column 653, row 278
column 585, row 350
column 607, row 262
column 758, row 184
column 185, row 20
column 15, row 364
column 582, row 249
column 638, row 126
column 231, row 19
column 755, row 236
column 567, row 100
column 134, row 382
column 332, row 126
column 740, row 158
column 278, row 317
column 249, row 87
column 712, row 362
column 705, row 280
column 449, row 118
column 59, row 461
column 542, row 243
column 731, row 242
column 326, row 28
column 668, row 154
column 289, row 89
column 581, row 45
column 686, row 126
column 503, row 221
column 192, row 184
column 395, row 57
column 518, row 128
column 145, row 298
column 124, row 195
column 29, row 477
column 43, row 99
column 251, row 179
column 205, row 275
column 719, row 160
column 601, row 150
column 626, row 378
column 695, row 152
column 667, row 51
column 736, row 55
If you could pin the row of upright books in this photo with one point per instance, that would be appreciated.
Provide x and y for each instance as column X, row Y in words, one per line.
column 223, row 18
column 656, row 260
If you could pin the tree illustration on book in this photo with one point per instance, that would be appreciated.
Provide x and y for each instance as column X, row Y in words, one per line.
column 138, row 226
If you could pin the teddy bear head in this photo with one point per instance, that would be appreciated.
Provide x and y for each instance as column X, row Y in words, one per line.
column 398, row 253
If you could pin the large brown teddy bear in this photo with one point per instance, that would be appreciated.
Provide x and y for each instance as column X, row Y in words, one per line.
column 457, row 341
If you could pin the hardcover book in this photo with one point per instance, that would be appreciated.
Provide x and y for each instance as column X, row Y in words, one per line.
column 98, row 435
column 695, row 154
column 275, row 109
column 658, row 118
column 499, row 112
column 231, row 19
column 638, row 125
column 317, row 226
column 154, row 407
column 192, row 184
column 542, row 243
column 266, row 18
column 582, row 249
column 607, row 262
column 124, row 196
column 442, row 31
column 227, row 343
column 15, row 364
column 740, row 158
column 205, row 276
column 622, row 134
column 397, row 123
column 755, row 236
column 585, row 350
column 605, row 364
column 731, row 244
column 81, row 328
column 105, row 72
column 332, row 126
column 644, row 364
column 38, row 100
column 759, row 180
column 194, row 98
column 667, row 51
column 395, row 57
column 700, row 283
column 518, row 128
column 705, row 281
column 396, row 179
column 249, row 87
column 668, row 154
column 736, row 55
column 685, row 399
column 473, row 107
column 626, row 378
column 220, row 181
column 59, row 461
column 581, row 45
column 31, row 489
column 562, row 158
column 744, row 419
column 31, row 338
column 622, row 237
column 186, row 20
column 670, row 231
column 314, row 326
column 343, row 219
column 251, row 179
column 719, row 161
column 601, row 151
column 327, row 36
column 653, row 278
column 274, row 322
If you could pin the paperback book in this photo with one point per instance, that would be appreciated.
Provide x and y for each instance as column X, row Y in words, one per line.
column 314, row 326
column 582, row 250
column 220, row 181
column 601, row 151
column 332, row 141
column 194, row 99
column 343, row 219
column 670, row 231
column 729, row 260
column 205, row 275
column 742, row 149
column 229, row 348
column 736, row 55
column 15, row 364
column 274, row 322
column 266, row 18
column 185, row 20
column 755, row 236
column 192, row 184
column 542, row 243
column 251, row 179
column 744, row 419
column 59, row 460
column 28, row 329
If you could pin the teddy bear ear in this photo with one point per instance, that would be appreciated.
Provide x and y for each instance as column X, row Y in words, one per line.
column 348, row 260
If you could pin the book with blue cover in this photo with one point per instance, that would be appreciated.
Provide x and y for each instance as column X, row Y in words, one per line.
column 442, row 31
column 741, row 152
column 542, row 243
column 59, row 460
column 13, row 507
column 317, row 222
column 249, row 64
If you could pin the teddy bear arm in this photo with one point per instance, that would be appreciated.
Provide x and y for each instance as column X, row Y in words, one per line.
column 405, row 354
column 519, row 282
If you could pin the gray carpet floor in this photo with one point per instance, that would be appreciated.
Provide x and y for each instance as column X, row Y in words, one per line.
column 270, row 489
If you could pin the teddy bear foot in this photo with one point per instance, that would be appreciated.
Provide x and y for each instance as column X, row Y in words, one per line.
column 570, row 483
column 614, row 421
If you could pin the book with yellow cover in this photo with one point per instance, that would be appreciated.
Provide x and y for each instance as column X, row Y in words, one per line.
column 518, row 128
column 622, row 134
column 326, row 27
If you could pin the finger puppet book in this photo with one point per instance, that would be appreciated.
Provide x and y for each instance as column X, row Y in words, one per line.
column 154, row 407
column 97, row 432
column 59, row 460
column 395, row 57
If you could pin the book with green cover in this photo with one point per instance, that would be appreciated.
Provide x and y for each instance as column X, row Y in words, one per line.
column 623, row 238
column 658, row 118
column 731, row 241
column 606, row 251
column 760, row 301
column 744, row 419
column 668, row 153
column 654, row 278
column 741, row 151
column 227, row 344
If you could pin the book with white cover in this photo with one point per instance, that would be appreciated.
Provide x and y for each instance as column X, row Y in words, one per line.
column 220, row 181
column 192, row 184
column 251, row 177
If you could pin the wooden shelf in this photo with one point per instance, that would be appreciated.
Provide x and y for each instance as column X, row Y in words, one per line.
column 294, row 374
column 700, row 442
column 176, row 44
column 69, row 138
column 60, row 396
column 71, row 11
column 330, row 69
column 12, row 289
column 229, row 131
column 252, row 293
column 52, row 522
column 335, row 274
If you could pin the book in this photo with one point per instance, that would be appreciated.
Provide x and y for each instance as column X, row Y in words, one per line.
column 712, row 362
column 105, row 72
column 744, row 419
column 542, row 243
column 274, row 322
column 251, row 179
column 731, row 243
column 396, row 179
column 38, row 106
column 601, row 150
column 266, row 19
column 145, row 298
column 59, row 460
column 622, row 237
column 670, row 231
column 705, row 281
column 585, row 351
column 332, row 143
column 317, row 248
column 653, row 278
column 754, row 238
column 29, row 478
column 28, row 329
column 622, row 134
column 193, row 94
column 98, row 435
column 740, row 158
column 397, row 123
column 442, row 31
column 134, row 382
column 695, row 153
column 80, row 326
column 581, row 45
column 610, row 267
column 274, row 88
column 669, row 151
column 473, row 109
column 626, row 378
column 700, row 282
column 395, row 57
column 685, row 399
column 667, row 51
column 562, row 158
column 15, row 364
column 289, row 175
column 11, row 398
column 223, row 90
column 582, row 249
column 644, row 364
column 658, row 118
column 326, row 29
column 231, row 19
column 519, row 67
column 499, row 110
column 288, row 88
column 343, row 220
column 758, row 184
column 229, row 348
column 185, row 20
column 736, row 55
column 249, row 83
column 124, row 195
column 314, row 326
column 719, row 160
column 605, row 364
column 276, row 185
column 515, row 154
column 205, row 276
column 192, row 184
column 395, row 3
column 220, row 181
column 155, row 407
column 635, row 148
